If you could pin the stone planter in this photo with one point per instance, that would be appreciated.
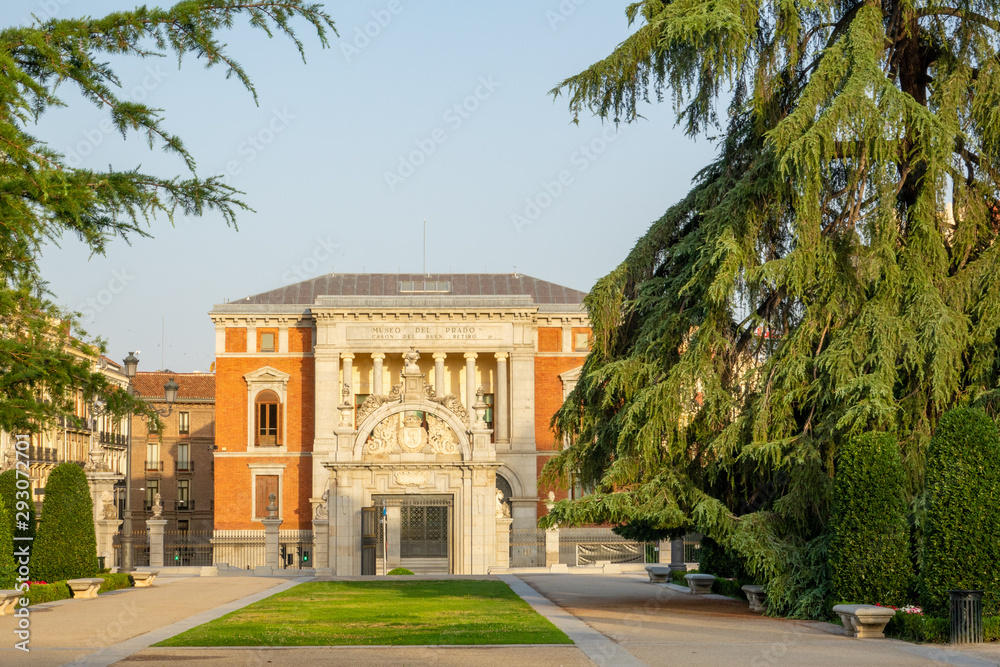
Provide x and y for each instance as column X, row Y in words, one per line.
column 700, row 584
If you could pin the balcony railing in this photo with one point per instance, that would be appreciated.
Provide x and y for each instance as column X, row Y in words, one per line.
column 185, row 466
column 185, row 505
column 154, row 466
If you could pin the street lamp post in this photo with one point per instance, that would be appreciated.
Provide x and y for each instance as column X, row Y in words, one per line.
column 170, row 394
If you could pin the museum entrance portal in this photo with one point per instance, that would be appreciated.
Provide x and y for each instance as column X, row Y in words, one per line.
column 409, row 531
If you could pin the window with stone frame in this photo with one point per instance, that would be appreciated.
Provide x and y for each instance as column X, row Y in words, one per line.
column 267, row 342
column 153, row 455
column 183, row 423
column 265, row 485
column 183, row 494
column 268, row 415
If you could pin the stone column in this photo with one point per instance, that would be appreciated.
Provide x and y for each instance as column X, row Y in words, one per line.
column 101, row 481
column 470, row 384
column 503, row 542
column 348, row 360
column 500, row 402
column 155, row 528
column 393, row 524
column 272, row 554
column 439, row 387
column 677, row 556
column 321, row 546
column 377, row 359
column 551, row 547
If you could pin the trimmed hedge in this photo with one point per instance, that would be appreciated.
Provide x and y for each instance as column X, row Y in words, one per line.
column 919, row 628
column 39, row 593
column 114, row 582
column 961, row 536
column 870, row 538
column 66, row 547
column 400, row 570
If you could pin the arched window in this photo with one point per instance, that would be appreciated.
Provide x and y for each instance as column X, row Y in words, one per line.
column 268, row 419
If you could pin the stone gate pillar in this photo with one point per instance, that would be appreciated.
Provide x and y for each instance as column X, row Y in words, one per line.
column 155, row 527
column 101, row 482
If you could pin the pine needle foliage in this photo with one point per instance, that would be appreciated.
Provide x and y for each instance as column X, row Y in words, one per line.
column 961, row 540
column 43, row 199
column 870, row 539
column 833, row 271
column 66, row 547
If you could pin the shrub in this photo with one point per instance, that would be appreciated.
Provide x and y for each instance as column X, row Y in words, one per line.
column 39, row 593
column 961, row 535
column 8, row 569
column 400, row 570
column 870, row 538
column 722, row 562
column 917, row 628
column 66, row 547
column 114, row 582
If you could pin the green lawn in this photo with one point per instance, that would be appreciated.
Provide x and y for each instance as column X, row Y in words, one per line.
column 344, row 613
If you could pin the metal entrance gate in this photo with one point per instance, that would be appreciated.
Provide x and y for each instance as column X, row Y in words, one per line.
column 369, row 538
column 420, row 533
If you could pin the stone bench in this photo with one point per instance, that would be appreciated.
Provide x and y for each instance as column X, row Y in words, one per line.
column 144, row 578
column 700, row 584
column 8, row 600
column 659, row 574
column 756, row 597
column 85, row 588
column 864, row 621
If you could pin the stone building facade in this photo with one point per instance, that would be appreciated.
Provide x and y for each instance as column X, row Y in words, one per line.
column 398, row 420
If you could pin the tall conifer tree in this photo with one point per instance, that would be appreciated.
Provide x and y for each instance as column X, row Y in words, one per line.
column 43, row 198
column 833, row 271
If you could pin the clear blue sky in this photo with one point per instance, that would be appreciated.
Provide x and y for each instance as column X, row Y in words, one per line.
column 347, row 154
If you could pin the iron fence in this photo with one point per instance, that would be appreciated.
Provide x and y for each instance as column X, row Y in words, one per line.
column 243, row 549
column 140, row 549
column 187, row 547
column 587, row 546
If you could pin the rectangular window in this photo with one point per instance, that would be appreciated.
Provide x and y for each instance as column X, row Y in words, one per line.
column 266, row 485
column 182, row 525
column 582, row 342
column 152, row 488
column 183, row 494
column 183, row 456
column 151, row 426
column 152, row 455
column 267, row 342
column 267, row 424
column 183, row 423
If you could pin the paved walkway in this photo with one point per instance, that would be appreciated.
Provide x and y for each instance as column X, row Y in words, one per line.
column 619, row 620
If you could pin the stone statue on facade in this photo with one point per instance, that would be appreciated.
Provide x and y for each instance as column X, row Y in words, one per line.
column 411, row 358
column 108, row 509
column 157, row 506
column 503, row 509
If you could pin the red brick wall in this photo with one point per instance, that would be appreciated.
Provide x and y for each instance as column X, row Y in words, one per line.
column 299, row 339
column 232, row 474
column 549, row 395
column 549, row 339
column 236, row 340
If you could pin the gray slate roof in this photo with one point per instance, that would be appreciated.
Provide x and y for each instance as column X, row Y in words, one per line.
column 388, row 284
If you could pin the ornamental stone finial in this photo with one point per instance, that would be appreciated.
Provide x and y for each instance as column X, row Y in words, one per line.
column 272, row 507
column 157, row 506
column 410, row 360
